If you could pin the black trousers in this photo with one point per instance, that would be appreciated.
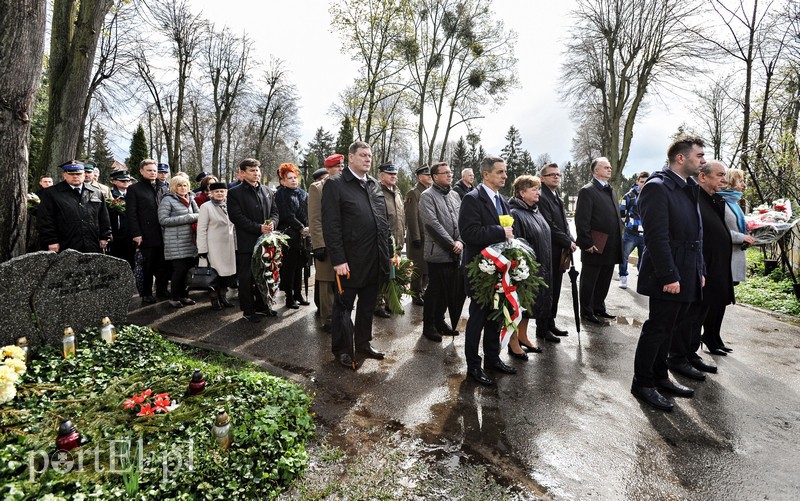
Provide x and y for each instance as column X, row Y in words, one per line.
column 250, row 298
column 124, row 249
column 292, row 273
column 478, row 323
column 445, row 292
column 341, row 342
column 179, row 269
column 594, row 284
column 703, row 321
column 154, row 267
column 650, row 363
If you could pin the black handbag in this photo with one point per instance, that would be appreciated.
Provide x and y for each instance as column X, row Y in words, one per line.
column 202, row 277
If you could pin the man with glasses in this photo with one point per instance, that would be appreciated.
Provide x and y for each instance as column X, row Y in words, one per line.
column 439, row 206
column 397, row 216
column 73, row 215
column 561, row 241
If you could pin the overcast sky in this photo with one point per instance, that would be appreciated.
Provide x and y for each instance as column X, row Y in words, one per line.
column 302, row 33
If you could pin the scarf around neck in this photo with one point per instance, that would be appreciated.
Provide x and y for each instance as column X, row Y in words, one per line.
column 732, row 198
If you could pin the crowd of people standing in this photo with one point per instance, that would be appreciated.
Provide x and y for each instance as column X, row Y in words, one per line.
column 684, row 222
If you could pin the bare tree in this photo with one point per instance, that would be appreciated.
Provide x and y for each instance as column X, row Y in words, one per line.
column 226, row 58
column 276, row 109
column 716, row 112
column 22, row 38
column 620, row 51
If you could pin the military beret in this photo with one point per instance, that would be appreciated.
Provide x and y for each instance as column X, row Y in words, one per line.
column 120, row 175
column 217, row 186
column 334, row 160
column 71, row 166
column 388, row 168
column 200, row 176
column 319, row 173
column 424, row 170
column 163, row 168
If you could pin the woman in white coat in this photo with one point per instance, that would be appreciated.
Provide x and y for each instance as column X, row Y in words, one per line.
column 216, row 241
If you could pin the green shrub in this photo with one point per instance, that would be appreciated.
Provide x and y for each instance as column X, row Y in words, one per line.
column 773, row 292
column 270, row 418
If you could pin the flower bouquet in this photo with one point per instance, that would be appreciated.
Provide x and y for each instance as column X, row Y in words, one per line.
column 147, row 404
column 503, row 278
column 33, row 200
column 401, row 272
column 12, row 367
column 116, row 204
column 767, row 224
column 267, row 262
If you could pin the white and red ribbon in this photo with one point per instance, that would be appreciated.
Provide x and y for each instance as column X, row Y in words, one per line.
column 503, row 264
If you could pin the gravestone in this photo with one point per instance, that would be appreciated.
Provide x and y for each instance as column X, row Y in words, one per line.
column 43, row 292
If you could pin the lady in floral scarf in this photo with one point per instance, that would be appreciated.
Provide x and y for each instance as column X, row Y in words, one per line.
column 292, row 203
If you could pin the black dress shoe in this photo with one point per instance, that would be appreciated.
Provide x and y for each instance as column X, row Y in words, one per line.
column 148, row 300
column 253, row 319
column 687, row 370
column 701, row 365
column 530, row 349
column 383, row 313
column 520, row 356
column 558, row 332
column 347, row 361
column 479, row 376
column 224, row 301
column 370, row 352
column 215, row 304
column 302, row 302
column 501, row 367
column 292, row 305
column 592, row 319
column 674, row 388
column 268, row 312
column 549, row 336
column 187, row 301
column 652, row 397
column 431, row 333
column 445, row 330
column 604, row 314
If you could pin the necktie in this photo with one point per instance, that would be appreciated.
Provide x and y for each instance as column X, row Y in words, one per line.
column 78, row 191
column 363, row 183
column 498, row 205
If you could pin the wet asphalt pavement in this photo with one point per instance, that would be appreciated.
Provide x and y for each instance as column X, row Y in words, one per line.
column 566, row 426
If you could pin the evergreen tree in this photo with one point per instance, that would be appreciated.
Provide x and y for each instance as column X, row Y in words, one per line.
column 138, row 150
column 102, row 156
column 320, row 147
column 460, row 158
column 474, row 141
column 345, row 138
column 512, row 154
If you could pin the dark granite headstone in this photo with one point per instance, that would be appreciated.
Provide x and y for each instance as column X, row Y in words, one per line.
column 44, row 292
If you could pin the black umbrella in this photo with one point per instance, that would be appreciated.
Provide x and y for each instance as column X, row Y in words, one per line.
column 345, row 320
column 309, row 258
column 573, row 278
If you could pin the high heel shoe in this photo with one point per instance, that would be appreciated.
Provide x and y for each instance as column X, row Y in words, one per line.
column 713, row 348
column 726, row 349
column 521, row 356
column 530, row 349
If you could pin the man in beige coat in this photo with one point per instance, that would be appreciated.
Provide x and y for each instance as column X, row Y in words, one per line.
column 396, row 215
column 322, row 265
column 415, row 234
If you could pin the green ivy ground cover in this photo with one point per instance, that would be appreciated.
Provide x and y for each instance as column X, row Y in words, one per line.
column 773, row 292
column 178, row 457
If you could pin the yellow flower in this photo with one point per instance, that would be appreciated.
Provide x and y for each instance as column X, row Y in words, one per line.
column 7, row 375
column 7, row 392
column 17, row 365
column 506, row 221
column 13, row 352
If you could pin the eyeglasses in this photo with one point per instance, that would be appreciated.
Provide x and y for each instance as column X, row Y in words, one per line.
column 445, row 173
column 552, row 174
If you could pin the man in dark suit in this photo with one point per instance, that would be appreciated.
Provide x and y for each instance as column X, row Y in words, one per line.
column 599, row 231
column 356, row 232
column 479, row 226
column 141, row 207
column 252, row 211
column 561, row 241
column 671, row 270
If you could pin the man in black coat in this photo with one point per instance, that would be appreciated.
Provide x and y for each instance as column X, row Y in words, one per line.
column 671, row 270
column 479, row 226
column 141, row 207
column 464, row 185
column 252, row 210
column 73, row 215
column 599, row 231
column 122, row 246
column 718, row 292
column 561, row 241
column 356, row 232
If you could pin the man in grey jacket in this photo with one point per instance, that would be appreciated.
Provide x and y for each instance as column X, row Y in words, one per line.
column 439, row 206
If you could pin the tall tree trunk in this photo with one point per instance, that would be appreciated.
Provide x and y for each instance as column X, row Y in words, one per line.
column 76, row 28
column 22, row 39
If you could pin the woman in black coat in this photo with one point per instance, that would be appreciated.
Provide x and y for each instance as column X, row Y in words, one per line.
column 292, row 203
column 531, row 225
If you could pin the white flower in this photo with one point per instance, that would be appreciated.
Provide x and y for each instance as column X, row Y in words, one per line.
column 8, row 375
column 17, row 365
column 486, row 266
column 520, row 274
column 13, row 351
column 7, row 392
